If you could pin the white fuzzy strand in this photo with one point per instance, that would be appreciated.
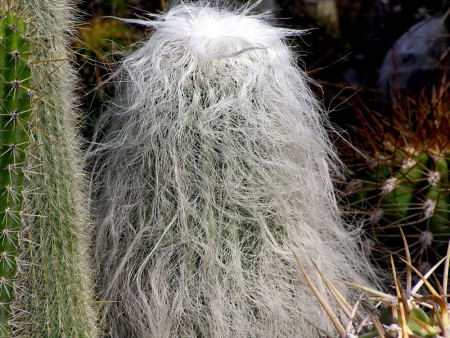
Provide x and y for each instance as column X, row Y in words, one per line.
column 211, row 167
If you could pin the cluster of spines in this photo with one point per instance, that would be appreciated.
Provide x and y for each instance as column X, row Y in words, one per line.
column 409, row 189
column 15, row 111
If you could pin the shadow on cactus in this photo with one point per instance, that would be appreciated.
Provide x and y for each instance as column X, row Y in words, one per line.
column 401, row 180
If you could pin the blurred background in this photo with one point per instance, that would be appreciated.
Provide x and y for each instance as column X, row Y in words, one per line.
column 381, row 70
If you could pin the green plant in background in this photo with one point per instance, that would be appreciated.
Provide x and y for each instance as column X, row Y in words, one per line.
column 102, row 43
column 100, row 46
column 404, row 180
column 120, row 8
column 45, row 277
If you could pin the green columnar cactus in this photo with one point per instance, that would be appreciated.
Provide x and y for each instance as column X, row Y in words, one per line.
column 52, row 291
column 15, row 113
column 405, row 182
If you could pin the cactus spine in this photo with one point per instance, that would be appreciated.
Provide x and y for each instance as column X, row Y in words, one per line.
column 408, row 189
column 14, row 117
column 406, row 182
column 52, row 291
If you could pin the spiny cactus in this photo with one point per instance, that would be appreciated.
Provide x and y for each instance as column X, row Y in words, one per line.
column 405, row 179
column 211, row 166
column 51, row 294
column 15, row 111
column 417, row 309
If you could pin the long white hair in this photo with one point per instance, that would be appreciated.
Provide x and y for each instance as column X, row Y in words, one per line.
column 211, row 169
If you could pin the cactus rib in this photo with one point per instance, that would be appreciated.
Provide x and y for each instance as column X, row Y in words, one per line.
column 15, row 112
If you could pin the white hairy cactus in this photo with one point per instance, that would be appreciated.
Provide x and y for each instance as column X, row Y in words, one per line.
column 211, row 168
